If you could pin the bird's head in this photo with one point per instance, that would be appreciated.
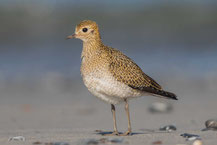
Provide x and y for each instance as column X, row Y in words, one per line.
column 86, row 30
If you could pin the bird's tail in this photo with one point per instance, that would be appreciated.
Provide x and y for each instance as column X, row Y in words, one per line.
column 157, row 92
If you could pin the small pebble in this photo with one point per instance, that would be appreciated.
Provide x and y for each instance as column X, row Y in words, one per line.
column 159, row 107
column 211, row 124
column 197, row 142
column 190, row 137
column 157, row 142
column 168, row 128
column 17, row 138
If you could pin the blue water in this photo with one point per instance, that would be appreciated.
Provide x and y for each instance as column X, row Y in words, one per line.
column 173, row 38
column 67, row 61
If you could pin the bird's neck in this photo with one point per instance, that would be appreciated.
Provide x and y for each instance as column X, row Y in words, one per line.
column 91, row 47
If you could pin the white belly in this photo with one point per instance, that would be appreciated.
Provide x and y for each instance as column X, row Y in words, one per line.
column 108, row 89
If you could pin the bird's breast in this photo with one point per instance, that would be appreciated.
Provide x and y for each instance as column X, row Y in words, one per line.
column 93, row 65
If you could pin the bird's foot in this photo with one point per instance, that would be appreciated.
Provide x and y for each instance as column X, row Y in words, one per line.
column 127, row 133
column 115, row 133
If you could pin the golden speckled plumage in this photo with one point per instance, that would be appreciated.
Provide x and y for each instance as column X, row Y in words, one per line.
column 109, row 74
column 128, row 72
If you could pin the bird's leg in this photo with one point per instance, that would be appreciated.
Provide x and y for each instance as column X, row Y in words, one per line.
column 128, row 132
column 114, row 121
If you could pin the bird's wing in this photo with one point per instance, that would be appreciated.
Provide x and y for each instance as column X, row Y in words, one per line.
column 128, row 72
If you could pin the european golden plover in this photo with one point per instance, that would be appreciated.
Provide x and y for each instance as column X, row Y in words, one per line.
column 110, row 75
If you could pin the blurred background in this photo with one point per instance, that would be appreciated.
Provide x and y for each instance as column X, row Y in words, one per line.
column 174, row 42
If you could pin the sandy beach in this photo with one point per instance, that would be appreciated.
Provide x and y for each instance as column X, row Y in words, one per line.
column 74, row 117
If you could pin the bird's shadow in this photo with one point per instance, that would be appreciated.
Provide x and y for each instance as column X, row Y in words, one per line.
column 104, row 133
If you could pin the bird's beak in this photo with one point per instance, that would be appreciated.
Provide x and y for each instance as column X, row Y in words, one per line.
column 71, row 36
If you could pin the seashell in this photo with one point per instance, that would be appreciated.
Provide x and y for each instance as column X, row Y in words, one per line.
column 211, row 124
column 159, row 107
column 17, row 138
column 197, row 142
column 168, row 128
column 190, row 137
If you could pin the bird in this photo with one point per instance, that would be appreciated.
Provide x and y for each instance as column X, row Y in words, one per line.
column 112, row 76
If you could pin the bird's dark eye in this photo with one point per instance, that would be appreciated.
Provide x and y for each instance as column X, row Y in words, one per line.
column 84, row 29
